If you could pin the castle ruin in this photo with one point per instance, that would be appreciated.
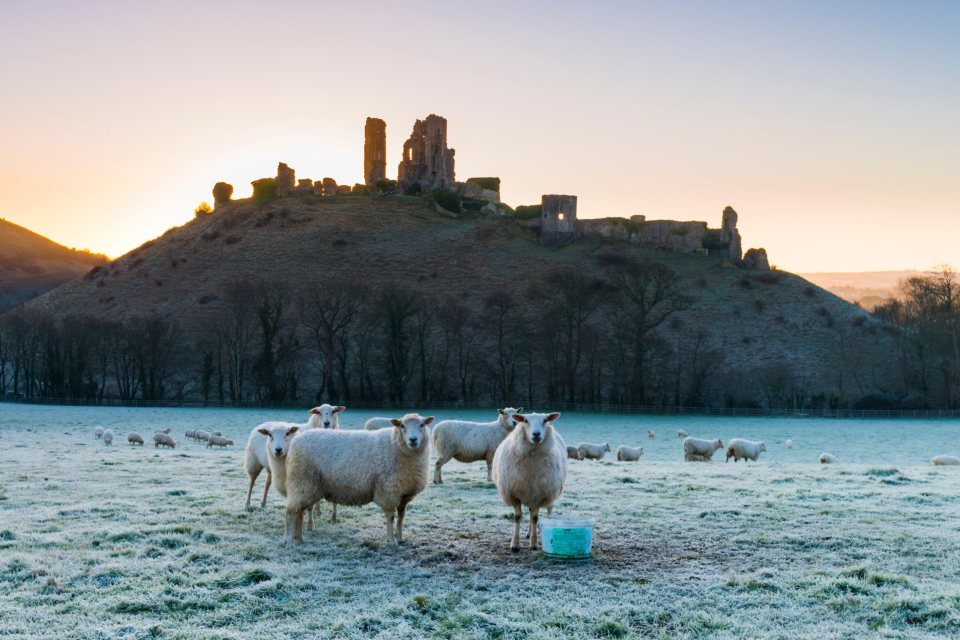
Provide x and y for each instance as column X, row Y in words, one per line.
column 374, row 152
column 427, row 160
column 558, row 219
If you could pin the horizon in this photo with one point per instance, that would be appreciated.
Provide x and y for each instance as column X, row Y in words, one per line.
column 829, row 129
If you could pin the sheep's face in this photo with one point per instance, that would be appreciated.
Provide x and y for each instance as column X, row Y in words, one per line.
column 536, row 426
column 717, row 444
column 325, row 416
column 413, row 429
column 762, row 447
column 606, row 446
column 278, row 439
column 507, row 419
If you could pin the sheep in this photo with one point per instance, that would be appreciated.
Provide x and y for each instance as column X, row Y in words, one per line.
column 466, row 441
column 377, row 423
column 199, row 435
column 572, row 452
column 163, row 439
column 135, row 438
column 681, row 433
column 98, row 433
column 945, row 461
column 628, row 454
column 826, row 458
column 697, row 449
column 166, row 431
column 738, row 448
column 789, row 444
column 108, row 437
column 650, row 435
column 190, row 434
column 587, row 451
column 326, row 416
column 388, row 467
column 216, row 433
column 530, row 468
column 218, row 441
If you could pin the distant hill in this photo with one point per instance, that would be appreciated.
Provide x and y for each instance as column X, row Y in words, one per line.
column 868, row 288
column 752, row 333
column 31, row 265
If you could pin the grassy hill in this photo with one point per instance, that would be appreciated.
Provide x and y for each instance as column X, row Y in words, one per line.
column 31, row 264
column 762, row 337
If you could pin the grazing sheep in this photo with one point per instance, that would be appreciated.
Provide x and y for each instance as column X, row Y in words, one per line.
column 219, row 441
column 135, row 438
column 628, row 454
column 377, row 423
column 789, row 444
column 108, row 437
column 945, row 461
column 190, row 434
column 572, row 452
column 650, row 434
column 530, row 468
column 167, row 430
column 587, row 451
column 388, row 467
column 826, row 458
column 681, row 434
column 700, row 450
column 739, row 448
column 98, row 433
column 199, row 435
column 163, row 440
column 466, row 441
column 216, row 433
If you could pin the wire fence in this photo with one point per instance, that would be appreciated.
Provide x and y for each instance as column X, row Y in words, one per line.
column 557, row 406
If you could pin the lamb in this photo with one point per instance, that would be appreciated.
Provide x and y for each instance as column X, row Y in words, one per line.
column 216, row 433
column 789, row 444
column 530, row 468
column 388, row 467
column 466, row 441
column 628, row 454
column 218, row 441
column 698, row 449
column 166, row 431
column 738, row 448
column 377, row 423
column 572, row 452
column 190, row 434
column 826, row 458
column 199, row 435
column 135, row 438
column 164, row 440
column 98, row 433
column 108, row 437
column 945, row 461
column 681, row 434
column 587, row 451
column 650, row 434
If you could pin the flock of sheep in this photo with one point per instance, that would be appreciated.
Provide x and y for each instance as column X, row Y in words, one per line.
column 388, row 462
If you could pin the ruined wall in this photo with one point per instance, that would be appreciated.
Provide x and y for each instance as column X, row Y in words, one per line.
column 374, row 151
column 427, row 160
column 558, row 220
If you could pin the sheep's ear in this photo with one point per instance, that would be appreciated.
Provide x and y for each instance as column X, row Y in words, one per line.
column 293, row 430
column 395, row 422
column 427, row 420
column 263, row 431
column 314, row 411
column 519, row 417
column 553, row 416
column 502, row 412
column 339, row 409
column 520, row 410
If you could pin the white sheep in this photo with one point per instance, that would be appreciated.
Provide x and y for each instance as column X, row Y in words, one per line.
column 945, row 461
column 700, row 450
column 681, row 433
column 739, row 448
column 135, row 438
column 216, row 433
column 466, row 441
column 326, row 416
column 628, row 454
column 572, row 452
column 789, row 444
column 388, row 467
column 826, row 458
column 587, row 451
column 530, row 468
column 163, row 440
column 218, row 441
column 108, row 437
column 199, row 435
column 651, row 435
column 98, row 433
column 190, row 434
column 377, row 423
column 166, row 431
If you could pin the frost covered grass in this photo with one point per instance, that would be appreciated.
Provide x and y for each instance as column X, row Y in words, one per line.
column 124, row 542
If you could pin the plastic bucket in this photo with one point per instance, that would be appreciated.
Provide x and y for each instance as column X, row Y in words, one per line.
column 566, row 537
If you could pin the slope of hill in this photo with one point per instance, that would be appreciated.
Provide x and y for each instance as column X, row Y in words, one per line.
column 751, row 333
column 868, row 288
column 31, row 265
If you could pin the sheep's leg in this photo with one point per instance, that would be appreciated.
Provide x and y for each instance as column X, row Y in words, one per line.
column 333, row 518
column 298, row 526
column 266, row 489
column 390, row 516
column 253, row 480
column 401, row 511
column 310, row 517
column 489, row 468
column 441, row 460
column 517, row 517
column 534, row 521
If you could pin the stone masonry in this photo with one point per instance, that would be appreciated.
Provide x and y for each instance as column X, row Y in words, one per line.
column 374, row 151
column 426, row 159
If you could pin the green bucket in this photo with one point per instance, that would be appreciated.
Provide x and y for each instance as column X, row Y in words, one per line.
column 567, row 537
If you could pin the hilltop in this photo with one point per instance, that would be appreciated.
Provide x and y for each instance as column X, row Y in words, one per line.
column 31, row 264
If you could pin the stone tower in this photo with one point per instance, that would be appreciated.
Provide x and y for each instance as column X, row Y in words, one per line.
column 426, row 159
column 558, row 220
column 729, row 233
column 374, row 151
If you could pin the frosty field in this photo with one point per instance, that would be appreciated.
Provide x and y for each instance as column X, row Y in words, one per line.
column 124, row 542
